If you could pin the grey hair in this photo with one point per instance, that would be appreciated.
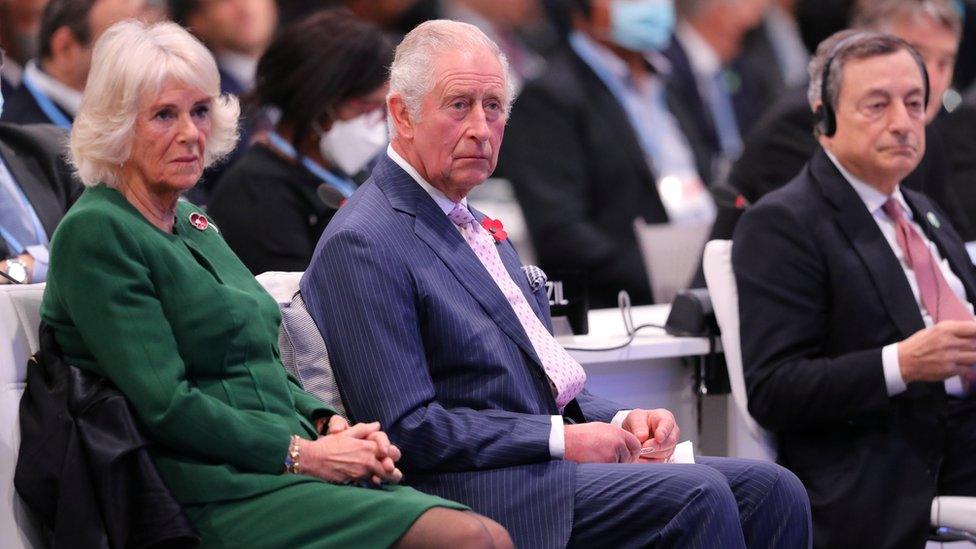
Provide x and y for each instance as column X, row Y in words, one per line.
column 132, row 60
column 878, row 15
column 837, row 50
column 412, row 72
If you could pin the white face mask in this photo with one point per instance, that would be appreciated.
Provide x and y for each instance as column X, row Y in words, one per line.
column 351, row 144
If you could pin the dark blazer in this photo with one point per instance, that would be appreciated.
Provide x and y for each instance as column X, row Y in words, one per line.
column 581, row 178
column 749, row 100
column 268, row 211
column 85, row 467
column 35, row 156
column 820, row 294
column 422, row 340
column 782, row 143
column 20, row 107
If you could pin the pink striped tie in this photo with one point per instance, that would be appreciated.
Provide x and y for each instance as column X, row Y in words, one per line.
column 565, row 374
column 937, row 297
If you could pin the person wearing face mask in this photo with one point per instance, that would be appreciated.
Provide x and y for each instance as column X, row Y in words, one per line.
column 597, row 141
column 36, row 189
column 326, row 75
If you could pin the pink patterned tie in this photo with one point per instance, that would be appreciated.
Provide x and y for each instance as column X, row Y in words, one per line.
column 565, row 374
column 939, row 299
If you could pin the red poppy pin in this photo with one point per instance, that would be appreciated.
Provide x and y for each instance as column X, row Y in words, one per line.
column 494, row 228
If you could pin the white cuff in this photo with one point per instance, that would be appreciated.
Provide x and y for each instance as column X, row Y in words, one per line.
column 557, row 438
column 953, row 386
column 41, row 257
column 619, row 417
column 892, row 370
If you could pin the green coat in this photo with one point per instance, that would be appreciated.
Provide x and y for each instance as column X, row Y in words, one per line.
column 189, row 336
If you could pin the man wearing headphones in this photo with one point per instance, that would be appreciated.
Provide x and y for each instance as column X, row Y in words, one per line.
column 856, row 307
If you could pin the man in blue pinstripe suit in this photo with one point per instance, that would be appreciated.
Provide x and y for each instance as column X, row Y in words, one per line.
column 427, row 331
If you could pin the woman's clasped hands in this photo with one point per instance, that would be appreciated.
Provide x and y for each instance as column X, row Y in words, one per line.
column 347, row 454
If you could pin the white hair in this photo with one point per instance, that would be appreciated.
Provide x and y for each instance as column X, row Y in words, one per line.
column 132, row 61
column 412, row 72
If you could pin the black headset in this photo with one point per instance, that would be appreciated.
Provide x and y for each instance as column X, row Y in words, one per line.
column 826, row 119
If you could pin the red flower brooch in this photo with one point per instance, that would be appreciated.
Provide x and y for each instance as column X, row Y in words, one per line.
column 494, row 228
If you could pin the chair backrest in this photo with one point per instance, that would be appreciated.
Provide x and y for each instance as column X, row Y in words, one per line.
column 302, row 348
column 671, row 253
column 20, row 318
column 746, row 437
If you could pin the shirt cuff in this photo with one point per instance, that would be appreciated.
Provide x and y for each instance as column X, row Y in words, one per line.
column 41, row 258
column 557, row 438
column 894, row 382
column 619, row 417
column 953, row 386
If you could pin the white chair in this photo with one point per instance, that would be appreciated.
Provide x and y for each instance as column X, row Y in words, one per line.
column 671, row 253
column 747, row 438
column 19, row 321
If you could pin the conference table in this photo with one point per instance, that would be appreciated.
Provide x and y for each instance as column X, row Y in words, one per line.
column 656, row 370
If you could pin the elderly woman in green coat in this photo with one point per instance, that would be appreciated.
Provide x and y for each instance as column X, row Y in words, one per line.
column 143, row 290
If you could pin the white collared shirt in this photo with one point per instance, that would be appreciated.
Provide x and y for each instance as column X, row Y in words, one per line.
column 557, row 433
column 874, row 200
column 705, row 63
column 242, row 67
column 66, row 97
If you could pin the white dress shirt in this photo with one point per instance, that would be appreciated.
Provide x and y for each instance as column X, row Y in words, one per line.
column 557, row 434
column 874, row 200
column 66, row 97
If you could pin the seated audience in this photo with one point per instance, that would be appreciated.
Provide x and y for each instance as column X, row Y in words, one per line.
column 434, row 331
column 144, row 291
column 593, row 141
column 327, row 76
column 36, row 189
column 51, row 85
column 722, row 90
column 783, row 140
column 856, row 304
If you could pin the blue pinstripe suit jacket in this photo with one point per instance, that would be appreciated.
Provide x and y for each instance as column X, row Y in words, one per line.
column 422, row 340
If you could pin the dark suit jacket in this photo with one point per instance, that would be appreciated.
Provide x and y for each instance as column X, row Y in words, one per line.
column 820, row 294
column 783, row 141
column 422, row 340
column 20, row 107
column 581, row 178
column 35, row 156
column 748, row 101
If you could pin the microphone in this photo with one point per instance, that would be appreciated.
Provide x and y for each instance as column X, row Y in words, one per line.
column 537, row 277
column 331, row 196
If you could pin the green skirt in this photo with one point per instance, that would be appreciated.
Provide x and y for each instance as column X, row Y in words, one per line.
column 314, row 514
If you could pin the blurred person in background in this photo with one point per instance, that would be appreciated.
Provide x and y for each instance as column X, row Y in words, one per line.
column 327, row 76
column 36, row 189
column 505, row 22
column 599, row 140
column 20, row 25
column 144, row 291
column 708, row 77
column 52, row 83
column 236, row 31
column 775, row 49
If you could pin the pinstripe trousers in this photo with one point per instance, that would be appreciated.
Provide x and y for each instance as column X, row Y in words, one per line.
column 718, row 502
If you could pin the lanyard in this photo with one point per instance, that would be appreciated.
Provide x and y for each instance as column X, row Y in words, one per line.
column 53, row 113
column 344, row 186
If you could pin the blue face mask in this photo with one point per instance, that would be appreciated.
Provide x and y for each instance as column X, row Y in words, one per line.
column 641, row 25
column 1, row 100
